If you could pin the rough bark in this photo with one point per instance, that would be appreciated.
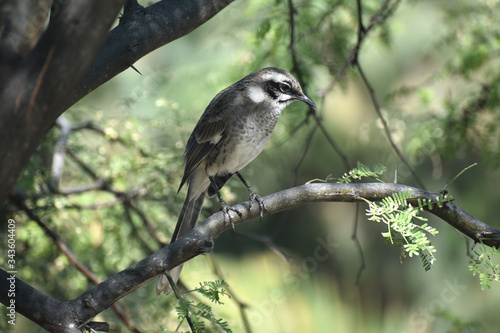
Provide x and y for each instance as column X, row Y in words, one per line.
column 43, row 74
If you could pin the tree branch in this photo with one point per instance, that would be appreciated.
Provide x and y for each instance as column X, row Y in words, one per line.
column 143, row 30
column 75, row 313
column 38, row 87
column 34, row 88
column 356, row 192
column 19, row 36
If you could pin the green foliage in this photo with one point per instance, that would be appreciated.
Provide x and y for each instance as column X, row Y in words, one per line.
column 438, row 201
column 485, row 263
column 402, row 232
column 197, row 313
column 361, row 171
column 213, row 290
column 467, row 117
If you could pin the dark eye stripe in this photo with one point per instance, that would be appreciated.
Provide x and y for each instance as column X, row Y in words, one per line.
column 273, row 88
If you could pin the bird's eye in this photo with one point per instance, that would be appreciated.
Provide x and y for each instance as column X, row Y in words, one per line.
column 284, row 87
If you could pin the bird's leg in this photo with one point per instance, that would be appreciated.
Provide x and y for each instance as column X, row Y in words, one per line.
column 224, row 206
column 253, row 196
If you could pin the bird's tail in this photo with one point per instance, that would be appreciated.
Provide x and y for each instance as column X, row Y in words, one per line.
column 187, row 221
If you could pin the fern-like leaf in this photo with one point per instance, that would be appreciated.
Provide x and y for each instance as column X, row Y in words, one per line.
column 402, row 231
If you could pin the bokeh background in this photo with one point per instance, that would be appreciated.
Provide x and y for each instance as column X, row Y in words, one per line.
column 434, row 69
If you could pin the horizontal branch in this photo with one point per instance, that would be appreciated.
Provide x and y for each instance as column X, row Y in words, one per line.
column 200, row 240
column 357, row 192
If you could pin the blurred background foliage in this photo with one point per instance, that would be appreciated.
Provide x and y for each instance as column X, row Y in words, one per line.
column 434, row 68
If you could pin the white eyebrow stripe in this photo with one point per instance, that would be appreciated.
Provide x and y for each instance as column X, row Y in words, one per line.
column 276, row 77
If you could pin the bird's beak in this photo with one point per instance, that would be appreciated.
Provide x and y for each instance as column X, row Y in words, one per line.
column 307, row 100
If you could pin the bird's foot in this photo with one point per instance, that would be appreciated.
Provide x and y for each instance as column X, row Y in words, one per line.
column 225, row 208
column 255, row 197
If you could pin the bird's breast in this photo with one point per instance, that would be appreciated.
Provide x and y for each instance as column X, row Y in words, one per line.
column 245, row 137
column 240, row 146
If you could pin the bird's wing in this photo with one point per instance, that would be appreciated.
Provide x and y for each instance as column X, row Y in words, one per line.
column 208, row 132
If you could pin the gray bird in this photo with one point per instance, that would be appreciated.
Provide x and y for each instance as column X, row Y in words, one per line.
column 233, row 130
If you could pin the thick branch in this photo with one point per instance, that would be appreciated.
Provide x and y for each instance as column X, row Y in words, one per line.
column 143, row 30
column 32, row 89
column 19, row 36
column 32, row 303
column 62, row 68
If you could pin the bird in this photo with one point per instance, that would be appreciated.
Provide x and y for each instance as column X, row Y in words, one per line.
column 232, row 131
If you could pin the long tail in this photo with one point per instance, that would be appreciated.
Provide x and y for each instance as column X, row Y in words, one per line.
column 187, row 221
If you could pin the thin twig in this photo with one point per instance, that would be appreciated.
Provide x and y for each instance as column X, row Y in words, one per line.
column 298, row 72
column 333, row 143
column 291, row 46
column 146, row 222
column 128, row 217
column 384, row 12
column 386, row 126
column 99, row 184
column 356, row 241
column 303, row 155
column 266, row 240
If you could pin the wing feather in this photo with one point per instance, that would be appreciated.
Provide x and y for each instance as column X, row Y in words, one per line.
column 208, row 132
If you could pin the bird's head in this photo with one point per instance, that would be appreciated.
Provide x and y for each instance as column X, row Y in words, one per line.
column 275, row 85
